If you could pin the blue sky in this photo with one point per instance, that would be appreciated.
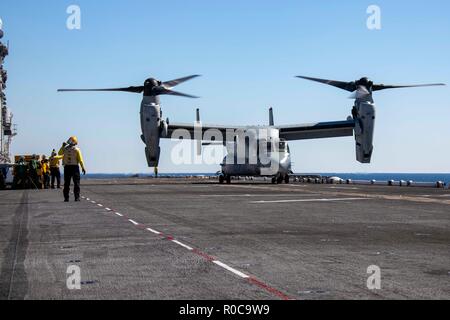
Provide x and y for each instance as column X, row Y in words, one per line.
column 248, row 53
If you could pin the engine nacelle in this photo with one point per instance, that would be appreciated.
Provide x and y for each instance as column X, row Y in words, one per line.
column 152, row 126
column 364, row 115
column 152, row 156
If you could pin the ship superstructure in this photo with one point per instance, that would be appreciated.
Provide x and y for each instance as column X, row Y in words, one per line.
column 8, row 130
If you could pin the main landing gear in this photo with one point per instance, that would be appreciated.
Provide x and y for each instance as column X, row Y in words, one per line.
column 223, row 178
column 280, row 178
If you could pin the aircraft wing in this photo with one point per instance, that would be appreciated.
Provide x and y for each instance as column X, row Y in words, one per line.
column 288, row 132
column 191, row 129
column 317, row 130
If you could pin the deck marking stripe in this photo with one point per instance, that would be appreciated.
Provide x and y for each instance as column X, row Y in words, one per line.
column 209, row 258
column 353, row 194
column 227, row 267
column 203, row 255
column 100, row 205
column 153, row 231
column 183, row 245
column 256, row 195
column 133, row 222
column 309, row 200
column 88, row 199
column 264, row 286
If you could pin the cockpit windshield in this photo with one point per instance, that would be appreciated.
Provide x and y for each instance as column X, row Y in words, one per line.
column 281, row 147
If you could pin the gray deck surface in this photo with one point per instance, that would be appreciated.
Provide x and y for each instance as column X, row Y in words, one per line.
column 288, row 241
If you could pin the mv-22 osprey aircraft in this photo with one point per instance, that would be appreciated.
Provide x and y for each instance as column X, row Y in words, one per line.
column 274, row 139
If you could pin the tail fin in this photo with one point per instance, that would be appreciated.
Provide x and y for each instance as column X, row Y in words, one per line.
column 271, row 121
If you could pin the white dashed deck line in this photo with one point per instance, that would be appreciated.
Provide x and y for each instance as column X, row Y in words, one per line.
column 133, row 222
column 153, row 231
column 182, row 244
column 216, row 262
column 255, row 195
column 227, row 267
column 308, row 200
column 88, row 199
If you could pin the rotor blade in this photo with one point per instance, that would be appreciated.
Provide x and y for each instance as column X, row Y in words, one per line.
column 349, row 86
column 139, row 89
column 173, row 83
column 378, row 87
column 175, row 93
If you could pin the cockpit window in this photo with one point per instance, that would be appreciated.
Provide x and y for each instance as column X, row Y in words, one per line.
column 282, row 146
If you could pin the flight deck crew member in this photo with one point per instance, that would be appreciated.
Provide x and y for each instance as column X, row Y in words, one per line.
column 45, row 169
column 20, row 175
column 34, row 170
column 54, row 170
column 72, row 160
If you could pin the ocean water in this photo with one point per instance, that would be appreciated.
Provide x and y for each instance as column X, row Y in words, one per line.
column 417, row 177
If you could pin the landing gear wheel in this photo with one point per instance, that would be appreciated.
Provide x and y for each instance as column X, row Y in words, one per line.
column 286, row 179
column 228, row 179
column 280, row 179
column 221, row 179
column 274, row 180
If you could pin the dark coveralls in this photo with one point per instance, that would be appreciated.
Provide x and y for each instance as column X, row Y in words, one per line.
column 72, row 172
column 56, row 175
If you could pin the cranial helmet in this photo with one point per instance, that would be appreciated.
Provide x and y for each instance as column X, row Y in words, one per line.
column 73, row 141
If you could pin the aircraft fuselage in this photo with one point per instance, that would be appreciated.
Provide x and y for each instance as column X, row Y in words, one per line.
column 257, row 151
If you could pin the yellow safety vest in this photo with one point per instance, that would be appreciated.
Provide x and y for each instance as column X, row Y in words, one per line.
column 44, row 167
column 70, row 156
column 54, row 162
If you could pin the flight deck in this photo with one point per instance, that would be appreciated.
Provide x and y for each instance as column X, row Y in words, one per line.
column 196, row 240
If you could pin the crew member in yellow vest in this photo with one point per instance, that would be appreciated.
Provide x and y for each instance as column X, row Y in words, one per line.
column 72, row 160
column 45, row 172
column 54, row 169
